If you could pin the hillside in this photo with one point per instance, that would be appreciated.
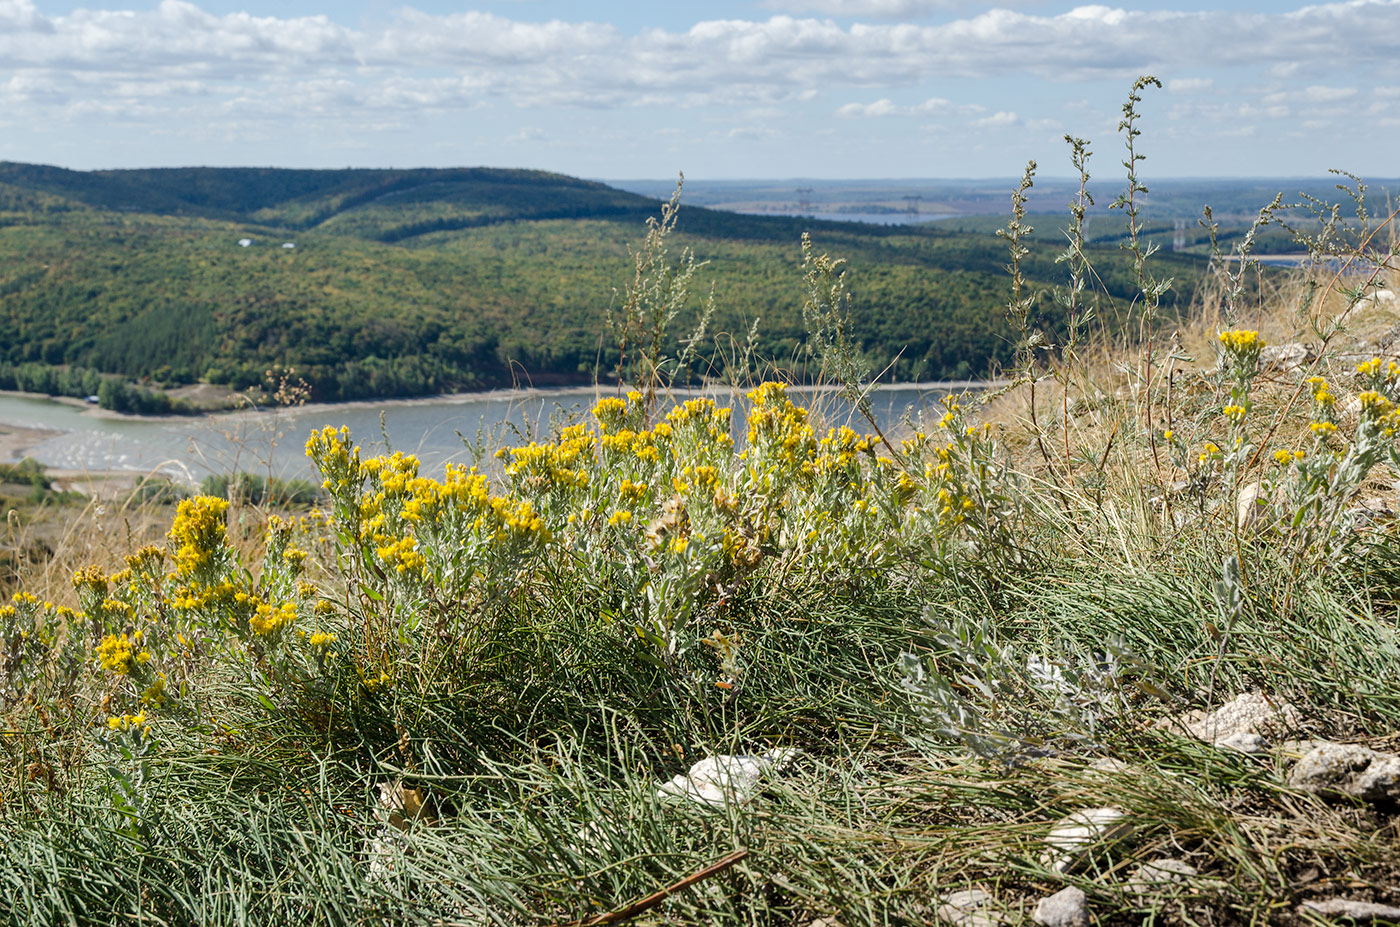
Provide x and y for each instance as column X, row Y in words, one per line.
column 1132, row 658
column 1115, row 644
column 406, row 282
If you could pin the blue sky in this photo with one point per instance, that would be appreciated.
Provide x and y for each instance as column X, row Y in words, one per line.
column 724, row 89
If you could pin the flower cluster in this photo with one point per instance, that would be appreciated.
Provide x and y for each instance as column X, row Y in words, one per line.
column 671, row 515
column 121, row 653
column 199, row 530
column 1240, row 342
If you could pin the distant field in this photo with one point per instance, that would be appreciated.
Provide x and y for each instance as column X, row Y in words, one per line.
column 1232, row 200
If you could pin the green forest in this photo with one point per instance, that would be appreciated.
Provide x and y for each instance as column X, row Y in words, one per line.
column 378, row 283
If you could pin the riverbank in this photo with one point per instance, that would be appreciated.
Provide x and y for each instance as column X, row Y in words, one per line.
column 238, row 404
column 455, row 428
column 15, row 441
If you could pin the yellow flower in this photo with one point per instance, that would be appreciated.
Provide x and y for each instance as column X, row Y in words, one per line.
column 1234, row 413
column 155, row 692
column 403, row 555
column 322, row 640
column 1282, row 457
column 1322, row 428
column 1240, row 341
column 129, row 723
column 268, row 620
column 335, row 457
column 116, row 653
column 1373, row 404
column 1321, row 394
column 91, row 578
column 199, row 530
column 620, row 517
column 1209, row 451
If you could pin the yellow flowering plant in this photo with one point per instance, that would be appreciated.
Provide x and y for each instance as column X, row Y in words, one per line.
column 43, row 649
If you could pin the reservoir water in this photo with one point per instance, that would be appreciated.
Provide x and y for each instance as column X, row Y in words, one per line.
column 439, row 430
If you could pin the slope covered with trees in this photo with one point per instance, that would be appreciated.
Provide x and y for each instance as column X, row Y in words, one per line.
column 422, row 281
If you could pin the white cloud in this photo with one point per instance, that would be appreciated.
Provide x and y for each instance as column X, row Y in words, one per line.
column 131, row 63
column 881, row 9
column 1319, row 94
column 22, row 15
column 933, row 106
column 881, row 107
column 1190, row 84
column 873, row 9
column 999, row 120
column 478, row 38
column 751, row 133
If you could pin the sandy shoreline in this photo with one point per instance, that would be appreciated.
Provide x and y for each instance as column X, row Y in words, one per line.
column 16, row 441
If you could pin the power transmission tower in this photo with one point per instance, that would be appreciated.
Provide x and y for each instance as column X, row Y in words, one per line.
column 912, row 200
column 804, row 201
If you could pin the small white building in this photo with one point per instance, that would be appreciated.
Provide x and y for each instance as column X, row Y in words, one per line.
column 289, row 245
column 244, row 242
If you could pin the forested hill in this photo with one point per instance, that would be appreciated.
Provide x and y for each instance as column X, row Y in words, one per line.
column 385, row 204
column 403, row 282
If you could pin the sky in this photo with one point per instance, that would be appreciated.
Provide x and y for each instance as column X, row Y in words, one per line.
column 721, row 89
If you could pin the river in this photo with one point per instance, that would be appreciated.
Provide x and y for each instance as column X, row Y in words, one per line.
column 439, row 430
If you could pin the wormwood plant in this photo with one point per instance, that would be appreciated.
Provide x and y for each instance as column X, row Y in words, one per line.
column 1021, row 305
column 658, row 294
column 1150, row 289
column 827, row 316
column 1079, row 314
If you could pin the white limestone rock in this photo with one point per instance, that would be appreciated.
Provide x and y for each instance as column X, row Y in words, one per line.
column 1349, row 770
column 727, row 779
column 1360, row 911
column 1165, row 871
column 1159, row 877
column 1251, row 507
column 1244, row 724
column 1243, row 742
column 1066, row 908
column 1284, row 358
column 968, row 908
column 1073, row 836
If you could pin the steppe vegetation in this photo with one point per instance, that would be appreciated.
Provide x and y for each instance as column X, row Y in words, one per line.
column 473, row 697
